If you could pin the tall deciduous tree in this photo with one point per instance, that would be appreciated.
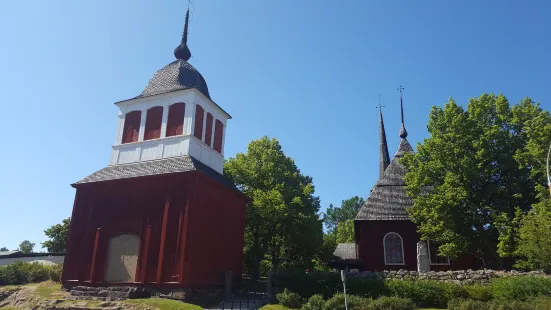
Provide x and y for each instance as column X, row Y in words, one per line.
column 282, row 226
column 26, row 247
column 476, row 173
column 58, row 235
column 4, row 249
column 347, row 211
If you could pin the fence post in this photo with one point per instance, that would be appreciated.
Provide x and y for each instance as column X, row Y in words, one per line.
column 228, row 284
column 270, row 288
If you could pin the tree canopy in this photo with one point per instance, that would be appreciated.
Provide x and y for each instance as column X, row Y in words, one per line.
column 477, row 175
column 58, row 235
column 26, row 247
column 4, row 249
column 347, row 211
column 283, row 228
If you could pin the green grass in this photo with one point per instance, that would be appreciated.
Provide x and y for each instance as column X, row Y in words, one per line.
column 274, row 307
column 8, row 308
column 49, row 290
column 163, row 304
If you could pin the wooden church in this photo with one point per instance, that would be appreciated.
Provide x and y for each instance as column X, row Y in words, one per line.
column 162, row 213
column 386, row 238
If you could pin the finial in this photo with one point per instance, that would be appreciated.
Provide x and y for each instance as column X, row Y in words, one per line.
column 403, row 131
column 380, row 107
column 182, row 51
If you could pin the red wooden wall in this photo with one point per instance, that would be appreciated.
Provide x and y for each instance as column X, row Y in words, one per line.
column 369, row 237
column 188, row 236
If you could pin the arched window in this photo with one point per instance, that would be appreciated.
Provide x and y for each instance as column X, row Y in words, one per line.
column 198, row 130
column 175, row 122
column 153, row 123
column 394, row 249
column 131, row 129
column 208, row 130
column 218, row 132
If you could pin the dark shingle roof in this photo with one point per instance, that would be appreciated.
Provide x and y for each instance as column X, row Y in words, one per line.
column 177, row 75
column 345, row 251
column 388, row 199
column 155, row 167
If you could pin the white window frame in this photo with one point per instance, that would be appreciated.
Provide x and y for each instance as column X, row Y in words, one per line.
column 430, row 257
column 402, row 245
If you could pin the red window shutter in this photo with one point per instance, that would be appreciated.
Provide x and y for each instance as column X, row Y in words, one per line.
column 208, row 130
column 153, row 121
column 175, row 122
column 131, row 130
column 198, row 130
column 218, row 131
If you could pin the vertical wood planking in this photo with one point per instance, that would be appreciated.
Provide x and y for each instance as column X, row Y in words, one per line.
column 94, row 255
column 163, row 239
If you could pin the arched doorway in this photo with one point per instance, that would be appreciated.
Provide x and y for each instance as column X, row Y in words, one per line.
column 122, row 258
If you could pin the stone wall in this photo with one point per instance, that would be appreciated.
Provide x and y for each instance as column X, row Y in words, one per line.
column 457, row 276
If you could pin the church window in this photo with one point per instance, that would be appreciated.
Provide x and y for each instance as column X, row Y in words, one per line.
column 153, row 121
column 131, row 129
column 198, row 130
column 175, row 122
column 394, row 249
column 208, row 130
column 436, row 259
column 218, row 132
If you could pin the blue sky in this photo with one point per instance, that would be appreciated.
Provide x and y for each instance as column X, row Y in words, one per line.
column 306, row 72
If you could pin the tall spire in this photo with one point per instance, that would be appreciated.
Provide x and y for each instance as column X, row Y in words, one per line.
column 384, row 161
column 403, row 131
column 182, row 51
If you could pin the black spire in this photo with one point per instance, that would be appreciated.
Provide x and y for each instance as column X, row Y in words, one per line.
column 182, row 51
column 403, row 131
column 384, row 161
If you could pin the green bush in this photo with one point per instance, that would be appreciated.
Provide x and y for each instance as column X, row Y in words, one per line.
column 393, row 303
column 289, row 299
column 540, row 303
column 22, row 273
column 315, row 302
column 520, row 288
column 308, row 284
column 479, row 292
column 354, row 302
column 54, row 272
column 426, row 293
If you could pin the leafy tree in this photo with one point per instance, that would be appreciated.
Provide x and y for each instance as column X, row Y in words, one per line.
column 477, row 174
column 3, row 249
column 58, row 235
column 282, row 226
column 26, row 247
column 345, row 231
column 347, row 211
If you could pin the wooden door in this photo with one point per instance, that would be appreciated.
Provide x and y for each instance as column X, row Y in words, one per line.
column 122, row 258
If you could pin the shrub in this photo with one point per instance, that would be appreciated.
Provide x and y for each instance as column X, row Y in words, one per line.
column 289, row 299
column 315, row 302
column 426, row 293
column 54, row 272
column 520, row 288
column 354, row 302
column 479, row 292
column 541, row 303
column 394, row 303
column 306, row 285
column 21, row 273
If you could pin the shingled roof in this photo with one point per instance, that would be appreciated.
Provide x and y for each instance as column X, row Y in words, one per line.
column 388, row 199
column 171, row 165
column 346, row 251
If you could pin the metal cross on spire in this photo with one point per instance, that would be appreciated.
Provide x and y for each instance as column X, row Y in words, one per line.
column 380, row 107
column 403, row 131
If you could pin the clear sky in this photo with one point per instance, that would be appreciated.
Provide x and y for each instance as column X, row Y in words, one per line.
column 306, row 72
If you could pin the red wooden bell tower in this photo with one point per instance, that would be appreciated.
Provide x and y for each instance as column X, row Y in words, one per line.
column 161, row 213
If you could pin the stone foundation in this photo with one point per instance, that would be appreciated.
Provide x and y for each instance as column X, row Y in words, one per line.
column 113, row 293
column 457, row 276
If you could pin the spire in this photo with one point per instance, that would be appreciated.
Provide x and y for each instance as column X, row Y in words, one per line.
column 403, row 131
column 384, row 161
column 182, row 51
